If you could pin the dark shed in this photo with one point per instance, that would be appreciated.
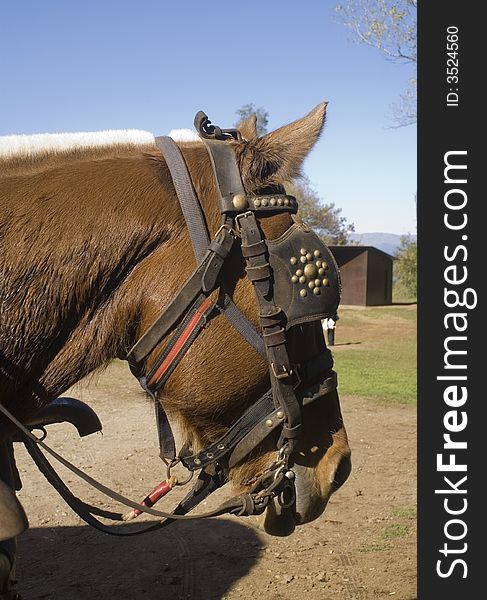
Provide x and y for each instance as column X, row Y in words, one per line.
column 366, row 274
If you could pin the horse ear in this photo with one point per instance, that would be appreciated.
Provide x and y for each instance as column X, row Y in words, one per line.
column 248, row 128
column 277, row 157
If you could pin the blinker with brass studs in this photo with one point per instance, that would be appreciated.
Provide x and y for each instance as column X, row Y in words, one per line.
column 311, row 273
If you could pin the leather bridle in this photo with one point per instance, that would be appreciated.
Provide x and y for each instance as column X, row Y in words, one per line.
column 272, row 266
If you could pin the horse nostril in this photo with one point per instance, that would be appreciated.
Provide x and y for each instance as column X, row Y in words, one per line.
column 342, row 472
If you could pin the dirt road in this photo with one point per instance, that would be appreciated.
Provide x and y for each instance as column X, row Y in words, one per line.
column 363, row 547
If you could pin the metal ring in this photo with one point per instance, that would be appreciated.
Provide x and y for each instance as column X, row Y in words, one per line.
column 172, row 464
column 281, row 499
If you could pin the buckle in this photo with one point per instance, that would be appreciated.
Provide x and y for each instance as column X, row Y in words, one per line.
column 245, row 215
column 287, row 374
column 226, row 227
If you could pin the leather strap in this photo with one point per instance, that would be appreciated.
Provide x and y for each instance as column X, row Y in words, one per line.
column 227, row 174
column 193, row 215
column 283, row 379
column 256, row 413
column 185, row 334
column 198, row 232
column 172, row 314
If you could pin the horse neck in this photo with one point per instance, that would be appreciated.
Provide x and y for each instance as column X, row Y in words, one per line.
column 73, row 242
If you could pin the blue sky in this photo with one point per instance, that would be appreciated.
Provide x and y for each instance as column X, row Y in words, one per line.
column 106, row 64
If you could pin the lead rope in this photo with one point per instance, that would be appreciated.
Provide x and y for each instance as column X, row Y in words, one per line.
column 229, row 506
column 253, row 502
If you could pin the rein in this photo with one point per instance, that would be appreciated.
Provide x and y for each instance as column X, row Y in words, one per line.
column 295, row 280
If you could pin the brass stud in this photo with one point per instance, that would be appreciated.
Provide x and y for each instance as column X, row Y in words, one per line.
column 303, row 293
column 319, row 264
column 293, row 260
column 299, row 272
column 317, row 282
column 257, row 203
column 303, row 251
column 321, row 271
column 272, row 201
column 304, row 259
column 280, row 414
column 302, row 279
column 264, row 201
column 239, row 201
column 310, row 271
column 326, row 282
column 316, row 291
column 295, row 279
column 269, row 422
column 324, row 265
column 317, row 253
column 309, row 257
column 286, row 201
column 311, row 285
column 280, row 201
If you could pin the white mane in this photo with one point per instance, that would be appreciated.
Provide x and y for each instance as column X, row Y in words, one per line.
column 12, row 146
column 184, row 135
column 41, row 143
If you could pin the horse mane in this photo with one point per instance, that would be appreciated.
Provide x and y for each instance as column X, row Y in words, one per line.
column 15, row 146
column 31, row 153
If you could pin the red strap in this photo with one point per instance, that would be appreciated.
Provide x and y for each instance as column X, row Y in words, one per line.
column 183, row 338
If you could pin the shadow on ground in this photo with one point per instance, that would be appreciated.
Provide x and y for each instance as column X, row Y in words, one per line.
column 68, row 563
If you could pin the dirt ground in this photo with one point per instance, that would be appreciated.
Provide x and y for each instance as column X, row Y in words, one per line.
column 363, row 547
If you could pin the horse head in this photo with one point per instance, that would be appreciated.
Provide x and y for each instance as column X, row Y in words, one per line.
column 94, row 246
column 221, row 375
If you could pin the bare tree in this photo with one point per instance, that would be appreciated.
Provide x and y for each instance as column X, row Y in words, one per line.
column 389, row 26
column 325, row 219
column 262, row 117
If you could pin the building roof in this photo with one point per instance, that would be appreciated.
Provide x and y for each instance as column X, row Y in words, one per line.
column 355, row 249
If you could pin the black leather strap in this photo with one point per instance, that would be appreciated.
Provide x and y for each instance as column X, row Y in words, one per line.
column 171, row 315
column 227, row 175
column 283, row 379
column 256, row 413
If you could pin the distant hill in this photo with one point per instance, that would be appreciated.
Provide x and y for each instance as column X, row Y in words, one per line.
column 387, row 242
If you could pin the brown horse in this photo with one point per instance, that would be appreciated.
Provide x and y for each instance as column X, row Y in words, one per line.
column 93, row 245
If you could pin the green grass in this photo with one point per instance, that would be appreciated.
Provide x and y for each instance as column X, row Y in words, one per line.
column 375, row 356
column 396, row 530
column 404, row 512
column 401, row 295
